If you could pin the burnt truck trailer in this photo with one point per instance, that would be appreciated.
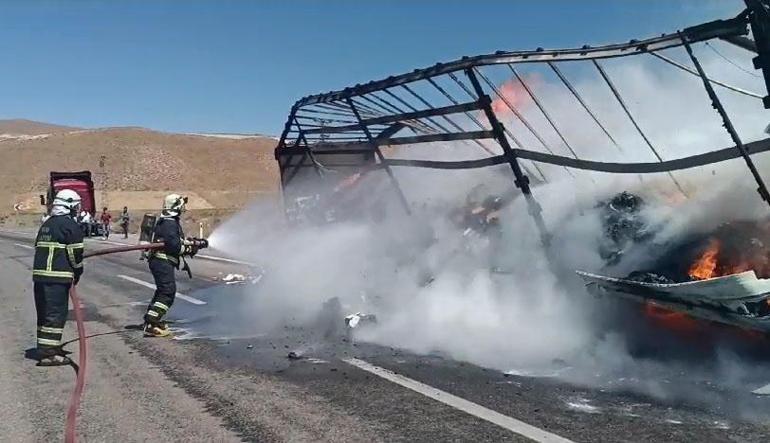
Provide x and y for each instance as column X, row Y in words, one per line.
column 479, row 101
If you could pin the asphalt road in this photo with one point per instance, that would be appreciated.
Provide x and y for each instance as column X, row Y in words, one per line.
column 215, row 386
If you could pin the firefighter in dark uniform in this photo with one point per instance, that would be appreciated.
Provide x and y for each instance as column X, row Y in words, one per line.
column 164, row 262
column 58, row 265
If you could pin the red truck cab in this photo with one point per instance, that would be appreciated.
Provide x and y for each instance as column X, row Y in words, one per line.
column 79, row 182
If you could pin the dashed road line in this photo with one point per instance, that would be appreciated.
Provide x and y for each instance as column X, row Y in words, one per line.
column 20, row 245
column 11, row 231
column 504, row 421
column 98, row 240
column 226, row 260
column 186, row 298
column 764, row 390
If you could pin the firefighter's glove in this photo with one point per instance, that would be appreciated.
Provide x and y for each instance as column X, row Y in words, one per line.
column 189, row 249
column 193, row 245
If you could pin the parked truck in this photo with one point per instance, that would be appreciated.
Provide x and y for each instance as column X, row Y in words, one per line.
column 79, row 182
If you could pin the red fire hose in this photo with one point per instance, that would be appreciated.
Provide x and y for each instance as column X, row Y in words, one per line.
column 80, row 379
column 145, row 247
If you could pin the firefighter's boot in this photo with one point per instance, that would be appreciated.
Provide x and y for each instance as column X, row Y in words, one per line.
column 54, row 359
column 156, row 330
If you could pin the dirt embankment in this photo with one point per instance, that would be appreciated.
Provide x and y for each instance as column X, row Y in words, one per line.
column 133, row 167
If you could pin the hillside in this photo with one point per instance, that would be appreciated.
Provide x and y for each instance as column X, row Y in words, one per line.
column 139, row 165
column 29, row 127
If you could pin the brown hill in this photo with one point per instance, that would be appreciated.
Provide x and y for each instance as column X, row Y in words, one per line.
column 134, row 165
column 29, row 127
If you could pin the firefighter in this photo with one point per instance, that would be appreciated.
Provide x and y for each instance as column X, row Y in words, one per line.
column 165, row 261
column 58, row 265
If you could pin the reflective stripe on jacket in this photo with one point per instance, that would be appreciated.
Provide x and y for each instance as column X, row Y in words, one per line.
column 58, row 250
column 169, row 231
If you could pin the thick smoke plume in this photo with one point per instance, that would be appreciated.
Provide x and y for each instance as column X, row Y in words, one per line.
column 508, row 303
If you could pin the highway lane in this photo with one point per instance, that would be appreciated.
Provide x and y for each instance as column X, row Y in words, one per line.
column 258, row 405
column 256, row 393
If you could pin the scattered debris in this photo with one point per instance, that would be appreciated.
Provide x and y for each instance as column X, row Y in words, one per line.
column 649, row 277
column 536, row 374
column 294, row 355
column 236, row 279
column 583, row 405
column 353, row 320
column 623, row 226
column 721, row 425
column 629, row 410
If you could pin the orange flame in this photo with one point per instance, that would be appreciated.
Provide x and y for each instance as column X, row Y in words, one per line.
column 706, row 266
column 513, row 92
column 713, row 264
column 675, row 321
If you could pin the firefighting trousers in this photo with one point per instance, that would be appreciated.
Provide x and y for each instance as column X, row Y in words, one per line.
column 165, row 283
column 51, row 304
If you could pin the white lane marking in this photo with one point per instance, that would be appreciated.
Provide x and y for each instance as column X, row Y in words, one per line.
column 24, row 233
column 101, row 240
column 509, row 423
column 186, row 298
column 227, row 260
column 23, row 246
column 764, row 390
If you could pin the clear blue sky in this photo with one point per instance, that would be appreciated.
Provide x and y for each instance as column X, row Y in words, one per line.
column 237, row 66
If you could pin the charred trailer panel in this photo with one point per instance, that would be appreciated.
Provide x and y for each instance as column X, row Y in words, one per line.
column 316, row 184
column 330, row 137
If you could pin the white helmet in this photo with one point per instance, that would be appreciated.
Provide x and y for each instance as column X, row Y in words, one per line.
column 173, row 205
column 66, row 201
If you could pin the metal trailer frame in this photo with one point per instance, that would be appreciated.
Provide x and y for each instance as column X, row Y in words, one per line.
column 359, row 120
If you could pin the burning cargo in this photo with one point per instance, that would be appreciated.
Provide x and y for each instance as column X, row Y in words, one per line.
column 721, row 276
column 739, row 300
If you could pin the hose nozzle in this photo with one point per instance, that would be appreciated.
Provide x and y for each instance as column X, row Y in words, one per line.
column 200, row 243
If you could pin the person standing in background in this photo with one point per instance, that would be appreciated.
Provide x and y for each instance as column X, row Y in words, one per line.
column 85, row 223
column 106, row 220
column 125, row 220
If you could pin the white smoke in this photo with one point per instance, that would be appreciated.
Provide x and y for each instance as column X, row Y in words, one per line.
column 530, row 313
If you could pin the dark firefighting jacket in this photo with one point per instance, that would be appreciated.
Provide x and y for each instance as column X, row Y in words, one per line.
column 169, row 231
column 58, row 251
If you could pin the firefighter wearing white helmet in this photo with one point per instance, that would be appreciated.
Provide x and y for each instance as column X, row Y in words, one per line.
column 173, row 205
column 165, row 261
column 58, row 265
